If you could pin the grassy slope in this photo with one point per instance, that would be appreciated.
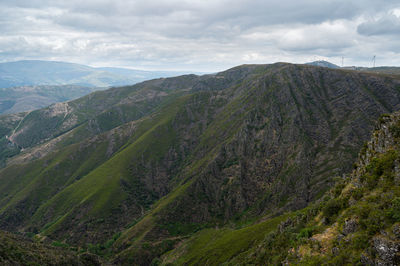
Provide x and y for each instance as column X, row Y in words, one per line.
column 216, row 246
column 223, row 126
column 101, row 189
column 35, row 182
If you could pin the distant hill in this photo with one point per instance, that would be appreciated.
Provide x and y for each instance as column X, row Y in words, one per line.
column 322, row 63
column 387, row 70
column 27, row 98
column 36, row 72
column 141, row 75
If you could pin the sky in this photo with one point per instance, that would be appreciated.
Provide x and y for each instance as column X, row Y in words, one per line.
column 200, row 35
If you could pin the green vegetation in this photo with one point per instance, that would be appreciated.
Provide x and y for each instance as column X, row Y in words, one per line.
column 17, row 250
column 216, row 246
column 207, row 170
column 341, row 229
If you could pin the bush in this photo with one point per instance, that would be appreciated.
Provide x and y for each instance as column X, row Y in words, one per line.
column 337, row 190
column 59, row 244
column 372, row 219
column 332, row 207
column 305, row 233
column 394, row 211
column 380, row 167
column 357, row 193
column 360, row 241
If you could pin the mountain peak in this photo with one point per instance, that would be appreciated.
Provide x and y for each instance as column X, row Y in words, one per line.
column 323, row 63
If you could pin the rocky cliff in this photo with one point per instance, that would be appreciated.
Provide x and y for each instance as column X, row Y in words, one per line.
column 355, row 223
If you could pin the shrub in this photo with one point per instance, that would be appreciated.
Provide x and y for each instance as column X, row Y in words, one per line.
column 337, row 190
column 305, row 233
column 59, row 244
column 381, row 166
column 394, row 211
column 360, row 241
column 372, row 219
column 332, row 207
column 357, row 193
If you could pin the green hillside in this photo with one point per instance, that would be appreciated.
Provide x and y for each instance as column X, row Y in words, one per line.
column 152, row 172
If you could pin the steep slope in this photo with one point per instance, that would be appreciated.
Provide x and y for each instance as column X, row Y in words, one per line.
column 274, row 147
column 25, row 188
column 356, row 223
column 167, row 157
column 73, row 121
column 18, row 250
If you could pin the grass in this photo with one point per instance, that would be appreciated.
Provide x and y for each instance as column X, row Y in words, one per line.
column 100, row 191
column 216, row 246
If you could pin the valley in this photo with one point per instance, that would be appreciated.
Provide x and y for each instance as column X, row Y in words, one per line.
column 175, row 170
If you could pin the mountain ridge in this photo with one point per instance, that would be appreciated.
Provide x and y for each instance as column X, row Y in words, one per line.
column 233, row 144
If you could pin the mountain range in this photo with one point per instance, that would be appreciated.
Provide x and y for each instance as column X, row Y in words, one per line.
column 33, row 84
column 235, row 167
column 37, row 72
column 28, row 98
column 386, row 70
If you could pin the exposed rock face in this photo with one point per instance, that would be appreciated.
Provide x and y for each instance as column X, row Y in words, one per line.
column 396, row 231
column 350, row 226
column 290, row 140
column 387, row 251
column 356, row 222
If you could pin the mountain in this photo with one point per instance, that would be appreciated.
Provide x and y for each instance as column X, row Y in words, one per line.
column 28, row 98
column 356, row 223
column 36, row 72
column 322, row 63
column 142, row 75
column 136, row 171
column 386, row 70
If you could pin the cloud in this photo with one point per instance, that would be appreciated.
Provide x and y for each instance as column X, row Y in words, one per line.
column 197, row 34
column 386, row 25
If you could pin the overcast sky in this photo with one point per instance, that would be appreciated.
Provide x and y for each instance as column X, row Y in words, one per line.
column 200, row 35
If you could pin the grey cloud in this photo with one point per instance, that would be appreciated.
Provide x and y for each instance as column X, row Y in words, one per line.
column 389, row 24
column 196, row 18
column 193, row 33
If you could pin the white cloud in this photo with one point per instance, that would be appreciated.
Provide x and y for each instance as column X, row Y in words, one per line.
column 199, row 35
